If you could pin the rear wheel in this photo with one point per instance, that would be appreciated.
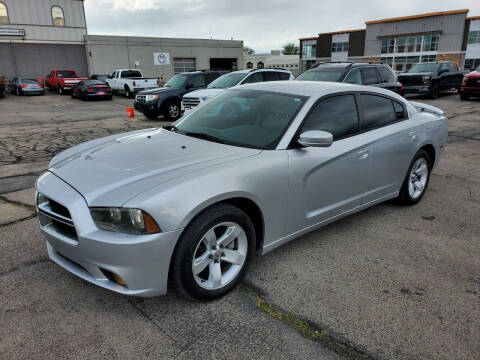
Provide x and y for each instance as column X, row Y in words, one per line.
column 60, row 90
column 435, row 90
column 128, row 92
column 416, row 180
column 464, row 96
column 172, row 111
column 214, row 252
column 17, row 91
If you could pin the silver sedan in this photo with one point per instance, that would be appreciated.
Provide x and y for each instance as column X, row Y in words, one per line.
column 248, row 171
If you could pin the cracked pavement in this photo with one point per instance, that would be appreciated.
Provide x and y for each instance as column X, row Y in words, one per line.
column 389, row 282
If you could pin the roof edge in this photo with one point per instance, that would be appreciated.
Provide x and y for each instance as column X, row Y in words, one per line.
column 419, row 16
column 341, row 32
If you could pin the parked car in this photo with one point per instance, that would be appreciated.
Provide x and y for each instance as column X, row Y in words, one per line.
column 198, row 199
column 2, row 86
column 130, row 82
column 431, row 78
column 62, row 81
column 21, row 86
column 195, row 98
column 470, row 85
column 166, row 101
column 102, row 78
column 380, row 75
column 92, row 89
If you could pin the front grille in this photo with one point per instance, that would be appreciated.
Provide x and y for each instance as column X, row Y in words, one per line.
column 411, row 80
column 190, row 102
column 473, row 82
column 141, row 98
column 53, row 214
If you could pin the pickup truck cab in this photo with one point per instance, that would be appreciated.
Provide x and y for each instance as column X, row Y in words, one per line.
column 166, row 101
column 130, row 82
column 62, row 81
column 191, row 100
column 431, row 78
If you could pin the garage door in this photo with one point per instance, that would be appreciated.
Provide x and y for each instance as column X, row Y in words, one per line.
column 183, row 65
column 6, row 62
column 34, row 60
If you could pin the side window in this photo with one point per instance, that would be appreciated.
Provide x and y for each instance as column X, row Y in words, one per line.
column 124, row 74
column 337, row 115
column 386, row 74
column 270, row 76
column 254, row 78
column 283, row 76
column 452, row 67
column 211, row 76
column 399, row 111
column 444, row 66
column 198, row 81
column 370, row 75
column 354, row 77
column 377, row 111
column 114, row 75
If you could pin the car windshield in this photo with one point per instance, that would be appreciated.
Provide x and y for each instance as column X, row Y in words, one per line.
column 28, row 81
column 418, row 68
column 321, row 75
column 226, row 81
column 176, row 81
column 246, row 118
column 66, row 74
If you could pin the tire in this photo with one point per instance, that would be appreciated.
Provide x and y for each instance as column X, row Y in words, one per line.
column 17, row 91
column 464, row 96
column 61, row 91
column 128, row 93
column 151, row 116
column 214, row 222
column 109, row 98
column 435, row 90
column 410, row 194
column 172, row 111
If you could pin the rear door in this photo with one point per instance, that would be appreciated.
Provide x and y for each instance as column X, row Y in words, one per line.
column 328, row 181
column 371, row 76
column 270, row 76
column 393, row 140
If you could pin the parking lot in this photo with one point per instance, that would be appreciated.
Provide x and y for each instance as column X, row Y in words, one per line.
column 390, row 282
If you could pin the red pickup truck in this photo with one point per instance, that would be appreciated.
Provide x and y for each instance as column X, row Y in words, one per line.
column 62, row 80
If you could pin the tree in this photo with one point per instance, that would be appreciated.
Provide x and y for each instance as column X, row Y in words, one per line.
column 291, row 49
column 248, row 51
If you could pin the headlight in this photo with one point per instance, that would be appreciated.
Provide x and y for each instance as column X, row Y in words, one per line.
column 151, row 97
column 204, row 98
column 124, row 220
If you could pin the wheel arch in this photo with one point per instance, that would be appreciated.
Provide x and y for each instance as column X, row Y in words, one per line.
column 430, row 149
column 176, row 99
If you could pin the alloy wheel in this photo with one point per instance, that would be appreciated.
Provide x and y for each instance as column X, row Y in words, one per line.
column 418, row 178
column 173, row 111
column 219, row 256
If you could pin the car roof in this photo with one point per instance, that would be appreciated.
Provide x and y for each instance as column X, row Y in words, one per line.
column 343, row 65
column 315, row 89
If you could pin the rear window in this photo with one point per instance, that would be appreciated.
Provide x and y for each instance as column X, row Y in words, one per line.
column 377, row 111
column 131, row 74
column 270, row 76
column 321, row 75
column 283, row 76
column 386, row 74
column 66, row 74
column 370, row 76
column 28, row 81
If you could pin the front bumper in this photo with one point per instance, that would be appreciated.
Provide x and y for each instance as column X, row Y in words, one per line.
column 470, row 90
column 33, row 91
column 142, row 261
column 417, row 89
column 145, row 107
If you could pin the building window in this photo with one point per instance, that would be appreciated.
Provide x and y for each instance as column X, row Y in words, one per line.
column 388, row 46
column 183, row 65
column 260, row 65
column 473, row 36
column 429, row 58
column 309, row 50
column 58, row 17
column 430, row 42
column 249, row 65
column 340, row 47
column 3, row 14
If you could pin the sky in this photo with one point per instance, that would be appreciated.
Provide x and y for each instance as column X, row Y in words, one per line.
column 263, row 25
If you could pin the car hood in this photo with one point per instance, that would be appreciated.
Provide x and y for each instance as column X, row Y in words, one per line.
column 208, row 93
column 159, row 91
column 110, row 171
column 415, row 74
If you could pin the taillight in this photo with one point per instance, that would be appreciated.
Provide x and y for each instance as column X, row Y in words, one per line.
column 23, row 86
column 109, row 88
column 134, row 83
column 90, row 90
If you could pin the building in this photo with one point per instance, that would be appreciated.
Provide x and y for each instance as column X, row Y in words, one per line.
column 107, row 53
column 274, row 60
column 37, row 36
column 400, row 42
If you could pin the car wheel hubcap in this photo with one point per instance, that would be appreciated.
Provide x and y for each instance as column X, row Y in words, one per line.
column 418, row 178
column 173, row 111
column 220, row 255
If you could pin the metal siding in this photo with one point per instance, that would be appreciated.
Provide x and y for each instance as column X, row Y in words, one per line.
column 37, row 60
column 6, row 64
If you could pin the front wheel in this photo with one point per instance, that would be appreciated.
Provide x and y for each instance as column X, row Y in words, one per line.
column 214, row 252
column 61, row 91
column 172, row 111
column 416, row 181
column 435, row 90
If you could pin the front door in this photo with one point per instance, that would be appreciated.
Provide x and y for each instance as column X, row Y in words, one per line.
column 328, row 181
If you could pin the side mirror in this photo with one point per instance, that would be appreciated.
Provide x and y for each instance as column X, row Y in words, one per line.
column 188, row 86
column 316, row 138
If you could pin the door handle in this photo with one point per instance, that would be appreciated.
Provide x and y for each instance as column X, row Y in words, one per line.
column 362, row 154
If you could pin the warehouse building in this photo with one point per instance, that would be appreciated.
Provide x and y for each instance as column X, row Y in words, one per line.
column 274, row 60
column 400, row 42
column 37, row 36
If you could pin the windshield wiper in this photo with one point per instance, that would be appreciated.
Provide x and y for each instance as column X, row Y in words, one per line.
column 173, row 128
column 204, row 136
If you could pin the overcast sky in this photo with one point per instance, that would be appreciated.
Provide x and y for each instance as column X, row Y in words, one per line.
column 261, row 24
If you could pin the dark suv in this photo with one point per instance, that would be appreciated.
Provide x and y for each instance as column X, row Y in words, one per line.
column 380, row 75
column 166, row 101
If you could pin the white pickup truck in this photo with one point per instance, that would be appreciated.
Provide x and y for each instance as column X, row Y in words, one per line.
column 130, row 82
